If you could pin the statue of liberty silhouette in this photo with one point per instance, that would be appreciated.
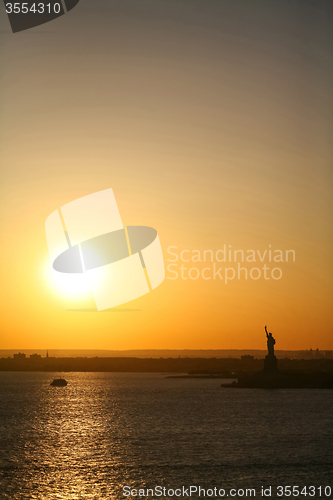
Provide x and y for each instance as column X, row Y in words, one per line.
column 270, row 342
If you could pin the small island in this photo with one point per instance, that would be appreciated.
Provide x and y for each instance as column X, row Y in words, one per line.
column 272, row 378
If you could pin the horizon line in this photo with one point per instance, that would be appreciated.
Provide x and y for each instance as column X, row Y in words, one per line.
column 158, row 350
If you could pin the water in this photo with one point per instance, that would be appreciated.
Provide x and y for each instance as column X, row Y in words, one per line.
column 106, row 430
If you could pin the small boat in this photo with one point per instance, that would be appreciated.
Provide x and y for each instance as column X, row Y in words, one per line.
column 59, row 382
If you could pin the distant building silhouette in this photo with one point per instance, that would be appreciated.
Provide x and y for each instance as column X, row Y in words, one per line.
column 308, row 354
column 35, row 357
column 20, row 356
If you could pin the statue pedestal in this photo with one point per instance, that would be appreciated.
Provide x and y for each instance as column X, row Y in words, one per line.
column 270, row 364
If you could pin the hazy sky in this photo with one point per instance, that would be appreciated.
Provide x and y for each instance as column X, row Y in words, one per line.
column 211, row 120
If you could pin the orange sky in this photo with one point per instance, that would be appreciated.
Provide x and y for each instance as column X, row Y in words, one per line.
column 212, row 123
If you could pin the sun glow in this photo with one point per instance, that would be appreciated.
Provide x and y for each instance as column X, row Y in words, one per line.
column 67, row 285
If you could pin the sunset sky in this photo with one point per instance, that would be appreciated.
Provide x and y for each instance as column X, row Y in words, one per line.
column 211, row 120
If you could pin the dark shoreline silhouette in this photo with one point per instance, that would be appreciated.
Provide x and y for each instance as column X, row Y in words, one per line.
column 284, row 380
column 248, row 370
column 171, row 353
column 270, row 377
column 243, row 369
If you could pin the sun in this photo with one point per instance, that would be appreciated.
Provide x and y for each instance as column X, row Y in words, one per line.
column 70, row 286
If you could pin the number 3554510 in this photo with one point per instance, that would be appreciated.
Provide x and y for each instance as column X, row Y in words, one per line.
column 35, row 8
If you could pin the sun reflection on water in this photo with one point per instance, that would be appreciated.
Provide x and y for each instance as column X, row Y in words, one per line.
column 106, row 430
